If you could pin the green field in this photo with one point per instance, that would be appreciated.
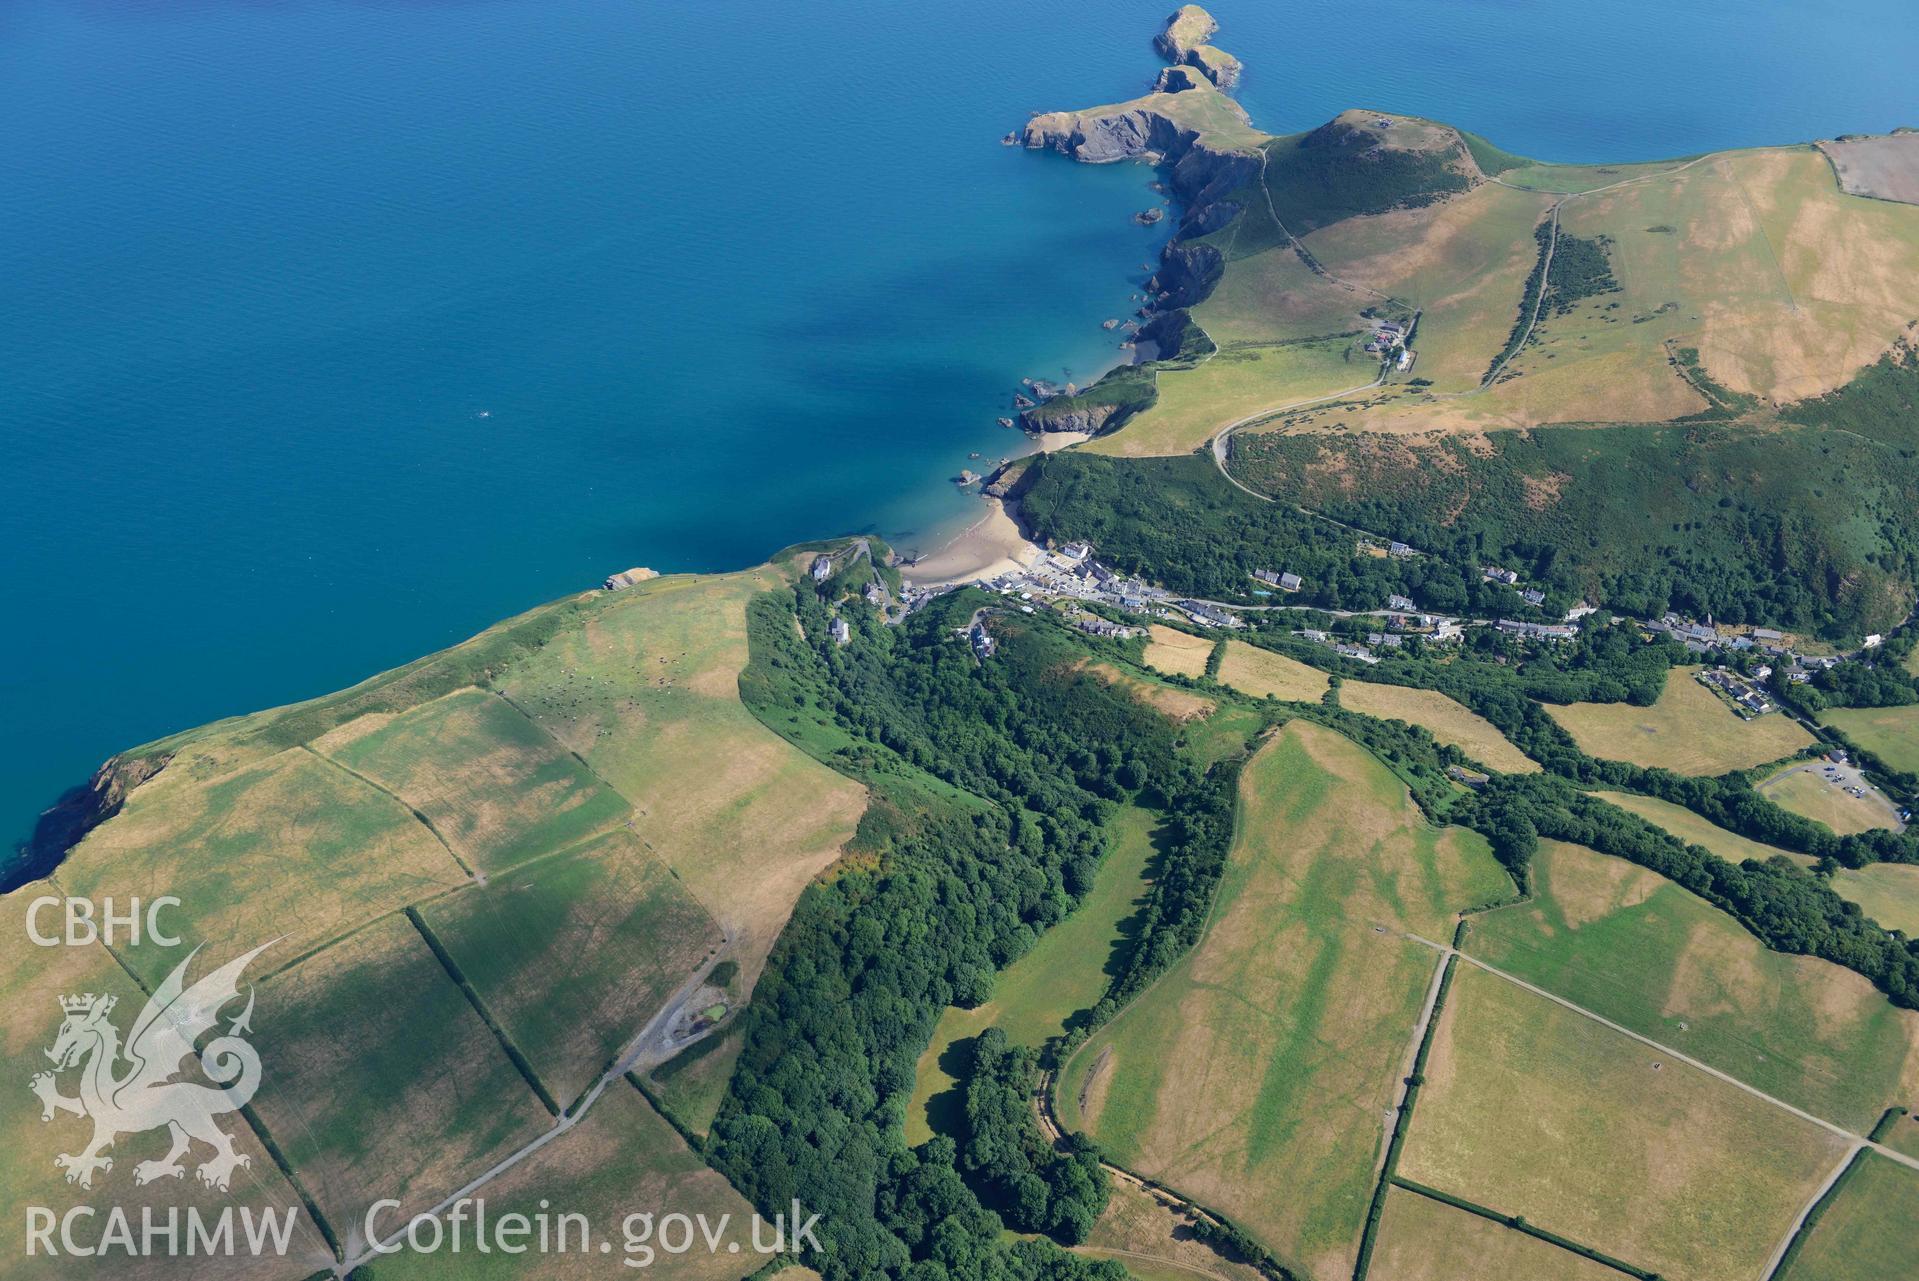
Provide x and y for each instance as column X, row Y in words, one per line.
column 1890, row 733
column 1887, row 892
column 1421, row 1239
column 495, row 787
column 621, row 1160
column 1807, row 793
column 1630, row 945
column 1255, row 1074
column 1035, row 997
column 1688, row 731
column 574, row 954
column 691, row 1086
column 1689, row 827
column 1869, row 1230
column 1533, row 1110
column 384, row 1081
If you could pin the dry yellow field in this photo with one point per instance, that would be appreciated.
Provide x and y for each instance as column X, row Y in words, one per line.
column 384, row 1081
column 1447, row 720
column 1534, row 1110
column 1688, row 731
column 1175, row 704
column 648, row 693
column 1421, row 1239
column 1262, row 673
column 1177, row 653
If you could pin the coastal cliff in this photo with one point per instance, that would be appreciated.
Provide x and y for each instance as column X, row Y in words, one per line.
column 1209, row 150
column 66, row 823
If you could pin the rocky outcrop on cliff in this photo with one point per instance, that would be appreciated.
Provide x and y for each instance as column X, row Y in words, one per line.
column 1187, row 28
column 68, row 821
column 1126, row 132
column 1190, row 126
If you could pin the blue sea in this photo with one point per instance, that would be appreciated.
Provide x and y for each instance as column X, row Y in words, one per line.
column 333, row 330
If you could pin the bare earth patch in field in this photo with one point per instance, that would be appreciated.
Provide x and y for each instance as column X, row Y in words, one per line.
column 1534, row 1110
column 1447, row 720
column 1421, row 1239
column 1177, row 653
column 1688, row 731
column 1262, row 673
column 1884, row 168
column 1256, row 1075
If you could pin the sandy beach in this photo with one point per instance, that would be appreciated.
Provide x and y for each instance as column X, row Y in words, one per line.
column 990, row 546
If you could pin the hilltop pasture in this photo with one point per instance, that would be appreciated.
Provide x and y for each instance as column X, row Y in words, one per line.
column 1531, row 1109
column 621, row 1159
column 573, row 955
column 491, row 784
column 1688, row 731
column 1255, row 1074
column 1632, row 946
column 385, row 1082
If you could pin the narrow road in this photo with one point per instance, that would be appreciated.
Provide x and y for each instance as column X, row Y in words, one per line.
column 1859, row 1140
column 1785, row 1242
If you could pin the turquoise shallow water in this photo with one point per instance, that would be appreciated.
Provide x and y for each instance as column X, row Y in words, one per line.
column 336, row 329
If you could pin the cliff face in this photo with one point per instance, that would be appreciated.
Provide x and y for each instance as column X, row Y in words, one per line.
column 1192, row 128
column 81, row 810
column 1187, row 28
column 1105, row 134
